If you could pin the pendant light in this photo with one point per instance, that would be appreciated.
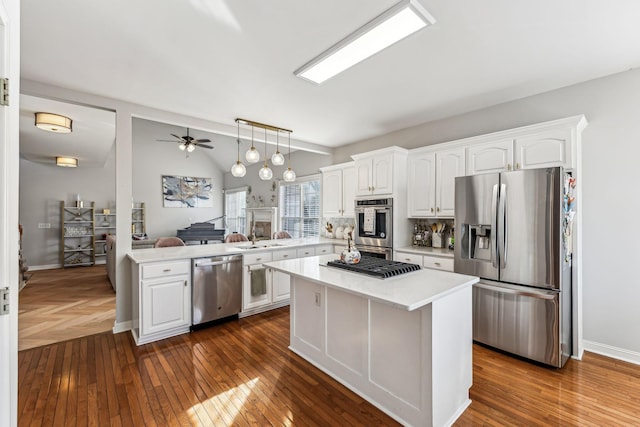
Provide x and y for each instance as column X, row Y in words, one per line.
column 277, row 159
column 252, row 155
column 265, row 172
column 238, row 170
column 289, row 175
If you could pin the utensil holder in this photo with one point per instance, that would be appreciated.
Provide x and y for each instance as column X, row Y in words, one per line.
column 437, row 240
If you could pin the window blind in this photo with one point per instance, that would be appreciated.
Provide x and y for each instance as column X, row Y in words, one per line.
column 235, row 203
column 300, row 207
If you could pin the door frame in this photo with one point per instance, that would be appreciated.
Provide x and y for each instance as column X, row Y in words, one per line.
column 9, row 176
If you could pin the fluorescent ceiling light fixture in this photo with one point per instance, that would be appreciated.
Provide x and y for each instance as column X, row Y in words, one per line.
column 53, row 122
column 402, row 20
column 67, row 162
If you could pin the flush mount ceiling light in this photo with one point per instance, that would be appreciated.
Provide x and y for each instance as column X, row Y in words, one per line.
column 67, row 162
column 53, row 122
column 398, row 22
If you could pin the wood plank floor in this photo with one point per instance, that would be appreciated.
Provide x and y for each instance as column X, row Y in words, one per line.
column 241, row 373
column 61, row 304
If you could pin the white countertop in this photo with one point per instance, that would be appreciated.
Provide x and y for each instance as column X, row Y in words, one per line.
column 423, row 250
column 217, row 249
column 409, row 291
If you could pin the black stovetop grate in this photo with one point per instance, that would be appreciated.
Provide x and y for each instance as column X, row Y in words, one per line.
column 377, row 267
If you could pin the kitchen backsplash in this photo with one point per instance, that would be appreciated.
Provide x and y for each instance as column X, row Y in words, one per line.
column 434, row 232
column 337, row 227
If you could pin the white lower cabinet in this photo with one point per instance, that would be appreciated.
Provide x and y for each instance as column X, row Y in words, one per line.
column 281, row 282
column 257, row 281
column 425, row 261
column 161, row 300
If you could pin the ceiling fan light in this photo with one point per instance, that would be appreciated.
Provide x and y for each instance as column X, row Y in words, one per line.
column 182, row 146
column 289, row 175
column 67, row 162
column 238, row 169
column 190, row 148
column 53, row 122
column 265, row 173
column 277, row 159
column 252, row 155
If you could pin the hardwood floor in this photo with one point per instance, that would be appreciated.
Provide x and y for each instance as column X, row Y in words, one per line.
column 61, row 304
column 241, row 373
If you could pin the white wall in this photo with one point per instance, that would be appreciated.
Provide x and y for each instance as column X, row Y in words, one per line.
column 42, row 187
column 611, row 151
column 152, row 160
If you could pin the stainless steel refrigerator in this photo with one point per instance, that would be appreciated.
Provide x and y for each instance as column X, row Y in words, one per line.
column 511, row 231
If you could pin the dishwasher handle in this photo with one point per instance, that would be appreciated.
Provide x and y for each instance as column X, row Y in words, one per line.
column 211, row 263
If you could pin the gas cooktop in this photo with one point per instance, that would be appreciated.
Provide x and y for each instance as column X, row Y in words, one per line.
column 377, row 267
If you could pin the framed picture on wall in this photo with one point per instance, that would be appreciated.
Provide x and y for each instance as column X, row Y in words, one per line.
column 186, row 192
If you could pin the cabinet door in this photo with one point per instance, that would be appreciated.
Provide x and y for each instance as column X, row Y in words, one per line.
column 421, row 185
column 166, row 303
column 281, row 284
column 495, row 156
column 408, row 257
column 348, row 191
column 332, row 193
column 449, row 165
column 382, row 175
column 545, row 149
column 363, row 176
column 438, row 263
column 256, row 287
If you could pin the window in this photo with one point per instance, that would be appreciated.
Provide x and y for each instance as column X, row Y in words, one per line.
column 235, row 204
column 300, row 207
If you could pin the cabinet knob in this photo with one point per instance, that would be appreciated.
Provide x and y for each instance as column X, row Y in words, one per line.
column 285, row 256
column 408, row 259
column 166, row 270
column 185, row 283
column 437, row 264
column 517, row 165
column 258, row 259
column 508, row 166
column 437, row 209
column 431, row 209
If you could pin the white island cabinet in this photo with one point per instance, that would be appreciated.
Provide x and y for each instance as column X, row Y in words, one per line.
column 404, row 344
column 162, row 302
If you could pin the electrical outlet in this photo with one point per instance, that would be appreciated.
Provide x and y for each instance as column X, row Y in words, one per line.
column 44, row 225
column 318, row 299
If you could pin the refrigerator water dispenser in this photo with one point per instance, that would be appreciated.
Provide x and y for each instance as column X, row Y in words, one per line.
column 479, row 243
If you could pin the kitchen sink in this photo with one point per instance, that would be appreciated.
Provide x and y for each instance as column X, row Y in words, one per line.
column 259, row 246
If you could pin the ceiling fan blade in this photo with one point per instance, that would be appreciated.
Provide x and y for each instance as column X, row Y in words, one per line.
column 202, row 140
column 203, row 145
column 168, row 140
column 178, row 137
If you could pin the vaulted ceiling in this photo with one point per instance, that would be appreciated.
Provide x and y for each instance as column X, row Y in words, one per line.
column 222, row 59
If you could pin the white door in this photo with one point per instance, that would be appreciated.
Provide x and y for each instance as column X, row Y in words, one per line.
column 9, row 161
column 450, row 164
column 494, row 156
column 348, row 191
column 363, row 176
column 544, row 150
column 421, row 185
column 382, row 175
column 332, row 193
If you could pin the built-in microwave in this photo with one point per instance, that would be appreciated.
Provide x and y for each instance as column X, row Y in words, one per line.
column 374, row 222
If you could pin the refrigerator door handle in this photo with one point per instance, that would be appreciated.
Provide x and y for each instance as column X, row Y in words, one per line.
column 494, row 215
column 502, row 226
column 540, row 295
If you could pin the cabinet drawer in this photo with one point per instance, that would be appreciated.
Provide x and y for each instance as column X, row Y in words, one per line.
column 253, row 258
column 324, row 249
column 304, row 252
column 161, row 269
column 410, row 258
column 285, row 254
column 438, row 263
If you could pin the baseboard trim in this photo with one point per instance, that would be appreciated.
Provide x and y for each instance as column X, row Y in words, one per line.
column 44, row 267
column 613, row 352
column 122, row 326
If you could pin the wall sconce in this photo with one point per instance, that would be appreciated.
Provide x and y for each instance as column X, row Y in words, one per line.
column 53, row 122
column 67, row 162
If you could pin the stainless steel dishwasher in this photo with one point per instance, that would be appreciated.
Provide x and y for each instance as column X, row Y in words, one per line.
column 216, row 289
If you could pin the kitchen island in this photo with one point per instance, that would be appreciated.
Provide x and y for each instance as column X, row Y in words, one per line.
column 403, row 343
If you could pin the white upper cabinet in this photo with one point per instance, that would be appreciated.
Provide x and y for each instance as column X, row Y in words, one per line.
column 545, row 149
column 449, row 165
column 494, row 156
column 375, row 171
column 421, row 184
column 338, row 190
column 431, row 182
column 538, row 146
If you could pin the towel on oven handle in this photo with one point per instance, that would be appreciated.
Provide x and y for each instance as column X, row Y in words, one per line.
column 369, row 225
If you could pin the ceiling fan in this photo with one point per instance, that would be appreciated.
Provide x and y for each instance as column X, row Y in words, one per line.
column 187, row 142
